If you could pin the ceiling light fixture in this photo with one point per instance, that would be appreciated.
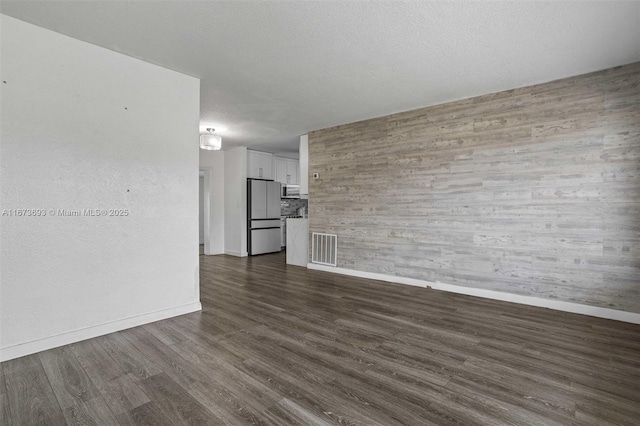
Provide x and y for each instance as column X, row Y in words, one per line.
column 210, row 141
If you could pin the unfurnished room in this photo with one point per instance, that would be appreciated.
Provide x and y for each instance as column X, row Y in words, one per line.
column 319, row 212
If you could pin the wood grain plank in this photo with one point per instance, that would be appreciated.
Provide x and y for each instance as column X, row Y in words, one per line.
column 288, row 412
column 68, row 380
column 175, row 403
column 170, row 362
column 31, row 398
column 92, row 412
column 3, row 388
column 116, row 387
column 5, row 410
column 95, row 361
column 149, row 414
column 300, row 346
column 128, row 357
column 162, row 331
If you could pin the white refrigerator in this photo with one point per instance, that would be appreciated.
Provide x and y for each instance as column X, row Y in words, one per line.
column 263, row 216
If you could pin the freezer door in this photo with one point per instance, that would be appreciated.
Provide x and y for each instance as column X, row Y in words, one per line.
column 265, row 240
column 258, row 199
column 273, row 199
column 270, row 223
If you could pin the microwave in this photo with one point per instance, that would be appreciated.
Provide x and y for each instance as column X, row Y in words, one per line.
column 290, row 191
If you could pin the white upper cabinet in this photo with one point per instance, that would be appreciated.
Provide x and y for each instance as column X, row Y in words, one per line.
column 281, row 169
column 260, row 165
column 287, row 171
column 293, row 172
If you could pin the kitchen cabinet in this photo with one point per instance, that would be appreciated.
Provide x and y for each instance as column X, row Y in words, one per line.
column 297, row 241
column 260, row 165
column 281, row 170
column 287, row 171
column 293, row 172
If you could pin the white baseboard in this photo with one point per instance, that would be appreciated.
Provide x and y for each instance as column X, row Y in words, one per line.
column 214, row 253
column 236, row 253
column 28, row 348
column 558, row 305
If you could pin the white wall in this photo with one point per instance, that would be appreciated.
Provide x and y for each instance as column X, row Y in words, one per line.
column 213, row 162
column 287, row 154
column 235, row 201
column 304, row 166
column 87, row 128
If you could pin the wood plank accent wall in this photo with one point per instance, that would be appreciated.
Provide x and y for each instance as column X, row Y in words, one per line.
column 532, row 191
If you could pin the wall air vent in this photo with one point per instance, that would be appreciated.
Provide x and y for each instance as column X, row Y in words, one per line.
column 324, row 249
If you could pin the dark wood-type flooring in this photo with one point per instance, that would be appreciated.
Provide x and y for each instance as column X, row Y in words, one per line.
column 278, row 344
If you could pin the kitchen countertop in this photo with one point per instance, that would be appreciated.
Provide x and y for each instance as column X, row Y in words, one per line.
column 298, row 241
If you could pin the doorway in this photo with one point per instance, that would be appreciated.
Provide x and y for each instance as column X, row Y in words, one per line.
column 204, row 214
column 201, row 211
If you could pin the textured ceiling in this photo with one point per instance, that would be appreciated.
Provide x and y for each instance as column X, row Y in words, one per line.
column 274, row 70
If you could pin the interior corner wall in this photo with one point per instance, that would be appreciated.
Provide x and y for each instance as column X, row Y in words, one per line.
column 235, row 201
column 99, row 172
column 304, row 166
column 214, row 162
column 532, row 192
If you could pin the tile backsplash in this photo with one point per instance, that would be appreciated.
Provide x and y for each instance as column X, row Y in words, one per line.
column 290, row 206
